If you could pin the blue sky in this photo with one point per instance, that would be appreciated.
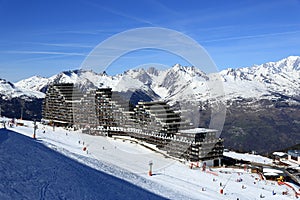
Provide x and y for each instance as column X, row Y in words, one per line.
column 47, row 37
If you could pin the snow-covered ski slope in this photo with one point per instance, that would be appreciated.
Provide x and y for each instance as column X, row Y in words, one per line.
column 30, row 170
column 112, row 169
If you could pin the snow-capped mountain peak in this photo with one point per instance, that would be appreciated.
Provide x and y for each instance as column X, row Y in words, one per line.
column 272, row 77
column 8, row 90
column 35, row 83
column 6, row 84
column 177, row 82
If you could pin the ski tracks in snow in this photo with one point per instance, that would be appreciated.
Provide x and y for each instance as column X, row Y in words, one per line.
column 124, row 174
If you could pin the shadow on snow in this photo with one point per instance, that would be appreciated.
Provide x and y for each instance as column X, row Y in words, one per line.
column 30, row 170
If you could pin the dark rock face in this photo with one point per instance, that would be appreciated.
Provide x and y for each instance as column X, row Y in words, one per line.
column 263, row 126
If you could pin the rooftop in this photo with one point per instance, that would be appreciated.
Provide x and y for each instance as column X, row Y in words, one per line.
column 279, row 154
column 198, row 130
column 295, row 153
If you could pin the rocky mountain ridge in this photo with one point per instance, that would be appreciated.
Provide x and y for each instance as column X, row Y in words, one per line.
column 271, row 81
column 262, row 101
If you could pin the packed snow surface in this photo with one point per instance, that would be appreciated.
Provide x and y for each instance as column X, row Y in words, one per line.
column 30, row 170
column 248, row 157
column 112, row 168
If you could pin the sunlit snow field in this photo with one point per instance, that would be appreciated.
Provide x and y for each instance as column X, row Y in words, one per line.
column 111, row 168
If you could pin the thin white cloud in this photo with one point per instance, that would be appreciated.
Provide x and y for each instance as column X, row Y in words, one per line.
column 122, row 14
column 41, row 58
column 251, row 36
column 79, row 32
column 164, row 9
column 63, row 44
column 45, row 52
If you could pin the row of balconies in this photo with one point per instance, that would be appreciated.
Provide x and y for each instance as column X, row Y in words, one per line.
column 153, row 116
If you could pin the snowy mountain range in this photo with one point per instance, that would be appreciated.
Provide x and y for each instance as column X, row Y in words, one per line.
column 9, row 90
column 267, row 81
column 262, row 101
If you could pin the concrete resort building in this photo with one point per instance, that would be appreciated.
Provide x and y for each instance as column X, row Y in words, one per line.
column 106, row 112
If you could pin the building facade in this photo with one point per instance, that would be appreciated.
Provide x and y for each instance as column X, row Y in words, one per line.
column 59, row 104
column 104, row 112
column 294, row 156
